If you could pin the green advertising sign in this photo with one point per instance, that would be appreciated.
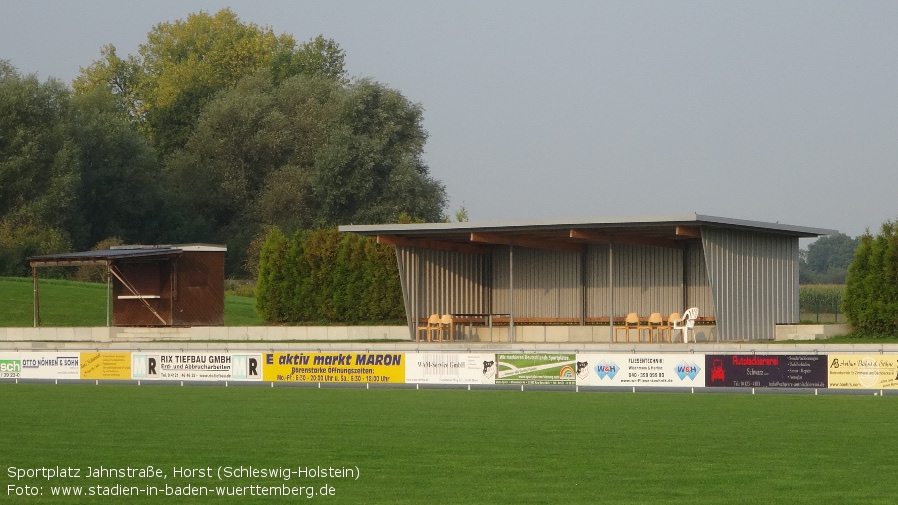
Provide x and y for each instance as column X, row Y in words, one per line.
column 536, row 369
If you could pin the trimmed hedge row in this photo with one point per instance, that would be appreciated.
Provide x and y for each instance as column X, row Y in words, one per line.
column 871, row 289
column 325, row 276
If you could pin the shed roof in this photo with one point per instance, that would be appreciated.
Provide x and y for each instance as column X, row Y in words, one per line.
column 104, row 256
column 662, row 231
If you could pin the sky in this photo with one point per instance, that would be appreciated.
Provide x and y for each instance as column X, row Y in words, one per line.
column 776, row 111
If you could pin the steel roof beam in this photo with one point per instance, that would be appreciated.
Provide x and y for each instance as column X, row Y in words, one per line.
column 529, row 242
column 440, row 245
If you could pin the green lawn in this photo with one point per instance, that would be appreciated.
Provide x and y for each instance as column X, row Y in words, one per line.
column 457, row 446
column 71, row 303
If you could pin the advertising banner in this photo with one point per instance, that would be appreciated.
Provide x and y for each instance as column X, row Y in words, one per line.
column 450, row 368
column 536, row 369
column 858, row 371
column 655, row 370
column 334, row 367
column 766, row 370
column 39, row 365
column 106, row 365
column 196, row 366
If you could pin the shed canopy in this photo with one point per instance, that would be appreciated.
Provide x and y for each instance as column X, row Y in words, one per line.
column 743, row 275
column 657, row 231
column 152, row 285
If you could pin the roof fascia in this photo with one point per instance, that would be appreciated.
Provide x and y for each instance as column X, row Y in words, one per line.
column 439, row 245
column 511, row 240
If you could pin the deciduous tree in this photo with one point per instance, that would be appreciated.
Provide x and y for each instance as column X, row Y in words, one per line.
column 185, row 63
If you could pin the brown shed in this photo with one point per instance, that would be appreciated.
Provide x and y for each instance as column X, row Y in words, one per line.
column 165, row 285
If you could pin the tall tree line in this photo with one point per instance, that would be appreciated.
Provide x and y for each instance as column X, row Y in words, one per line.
column 216, row 131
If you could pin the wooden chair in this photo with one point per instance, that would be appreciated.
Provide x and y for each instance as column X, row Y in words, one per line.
column 433, row 324
column 654, row 324
column 668, row 325
column 448, row 326
column 630, row 323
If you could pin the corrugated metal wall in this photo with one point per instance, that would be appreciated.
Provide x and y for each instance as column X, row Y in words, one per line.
column 552, row 284
column 754, row 280
column 698, row 286
column 547, row 284
column 442, row 282
column 647, row 279
column 598, row 296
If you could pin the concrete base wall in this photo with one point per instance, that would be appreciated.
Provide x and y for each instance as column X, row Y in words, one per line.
column 205, row 333
column 553, row 334
column 810, row 331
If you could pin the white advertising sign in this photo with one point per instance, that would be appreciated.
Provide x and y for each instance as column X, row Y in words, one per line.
column 40, row 365
column 655, row 370
column 196, row 366
column 450, row 368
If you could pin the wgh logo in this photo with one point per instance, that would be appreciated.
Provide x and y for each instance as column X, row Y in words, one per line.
column 690, row 370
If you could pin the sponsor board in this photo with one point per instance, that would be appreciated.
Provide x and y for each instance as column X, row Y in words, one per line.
column 766, row 370
column 196, row 366
column 858, row 371
column 106, row 365
column 39, row 365
column 537, row 368
column 655, row 370
column 450, row 368
column 334, row 367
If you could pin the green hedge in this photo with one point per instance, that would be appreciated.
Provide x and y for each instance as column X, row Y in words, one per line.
column 871, row 289
column 324, row 277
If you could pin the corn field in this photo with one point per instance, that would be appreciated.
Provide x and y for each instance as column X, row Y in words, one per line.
column 821, row 302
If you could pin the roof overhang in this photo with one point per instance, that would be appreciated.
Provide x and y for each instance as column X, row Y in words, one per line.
column 117, row 253
column 572, row 235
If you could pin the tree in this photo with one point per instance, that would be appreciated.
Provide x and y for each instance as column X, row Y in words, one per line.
column 119, row 77
column 38, row 168
column 185, row 63
column 870, row 301
column 305, row 153
column 252, row 130
column 826, row 260
column 119, row 192
column 38, row 163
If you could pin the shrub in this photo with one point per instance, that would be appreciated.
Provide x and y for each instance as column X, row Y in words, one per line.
column 325, row 276
column 871, row 290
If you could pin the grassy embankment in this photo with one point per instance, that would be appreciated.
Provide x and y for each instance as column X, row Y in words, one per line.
column 70, row 303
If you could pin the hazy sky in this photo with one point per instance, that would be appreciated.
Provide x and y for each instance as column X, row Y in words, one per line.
column 763, row 110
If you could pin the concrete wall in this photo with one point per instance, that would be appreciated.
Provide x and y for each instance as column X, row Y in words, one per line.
column 810, row 331
column 204, row 333
column 498, row 334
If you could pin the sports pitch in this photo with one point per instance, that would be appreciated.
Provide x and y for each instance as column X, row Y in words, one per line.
column 444, row 446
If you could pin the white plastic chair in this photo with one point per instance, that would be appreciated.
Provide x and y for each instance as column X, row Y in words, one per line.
column 686, row 323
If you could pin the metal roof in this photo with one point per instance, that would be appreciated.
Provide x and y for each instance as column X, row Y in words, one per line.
column 117, row 252
column 653, row 230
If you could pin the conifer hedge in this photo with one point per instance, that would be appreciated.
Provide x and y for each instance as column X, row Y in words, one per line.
column 871, row 290
column 326, row 277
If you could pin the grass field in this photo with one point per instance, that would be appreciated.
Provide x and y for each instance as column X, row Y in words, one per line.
column 456, row 446
column 70, row 303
